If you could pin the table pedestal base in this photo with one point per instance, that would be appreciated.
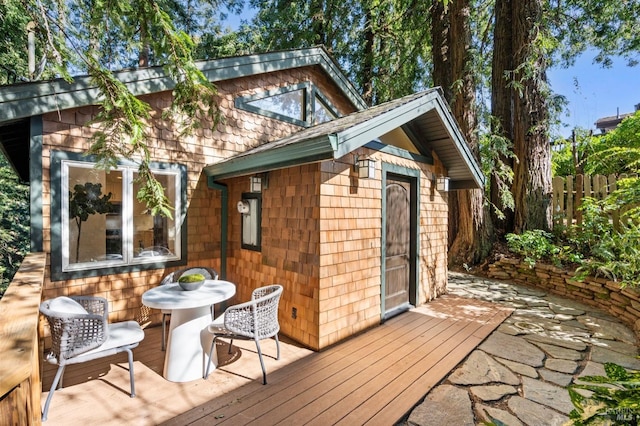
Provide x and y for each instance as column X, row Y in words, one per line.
column 187, row 356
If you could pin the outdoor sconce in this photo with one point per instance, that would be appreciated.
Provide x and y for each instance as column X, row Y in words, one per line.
column 366, row 168
column 258, row 182
column 442, row 184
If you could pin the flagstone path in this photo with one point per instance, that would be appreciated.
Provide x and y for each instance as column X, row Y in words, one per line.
column 519, row 374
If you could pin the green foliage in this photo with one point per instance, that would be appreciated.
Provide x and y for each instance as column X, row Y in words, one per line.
column 154, row 192
column 494, row 150
column 618, row 151
column 607, row 243
column 610, row 27
column 610, row 235
column 383, row 46
column 534, row 245
column 570, row 157
column 97, row 37
column 614, row 398
column 14, row 223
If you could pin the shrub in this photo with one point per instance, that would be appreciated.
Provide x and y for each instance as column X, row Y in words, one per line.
column 614, row 399
column 533, row 246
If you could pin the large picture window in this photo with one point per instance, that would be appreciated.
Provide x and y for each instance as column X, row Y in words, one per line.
column 103, row 225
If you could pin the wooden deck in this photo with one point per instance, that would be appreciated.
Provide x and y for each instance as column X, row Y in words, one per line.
column 374, row 378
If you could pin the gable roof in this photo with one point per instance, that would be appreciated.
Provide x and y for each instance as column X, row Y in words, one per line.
column 21, row 101
column 424, row 116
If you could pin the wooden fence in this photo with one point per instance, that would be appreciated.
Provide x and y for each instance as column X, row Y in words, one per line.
column 569, row 191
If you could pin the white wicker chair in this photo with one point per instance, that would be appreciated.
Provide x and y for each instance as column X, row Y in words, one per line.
column 80, row 332
column 173, row 277
column 254, row 320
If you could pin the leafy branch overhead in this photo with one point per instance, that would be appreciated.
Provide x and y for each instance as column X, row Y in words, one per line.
column 120, row 34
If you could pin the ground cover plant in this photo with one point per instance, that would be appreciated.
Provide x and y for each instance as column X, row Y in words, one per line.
column 612, row 399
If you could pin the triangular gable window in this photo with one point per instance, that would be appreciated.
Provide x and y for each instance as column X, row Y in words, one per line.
column 302, row 104
column 323, row 113
column 289, row 104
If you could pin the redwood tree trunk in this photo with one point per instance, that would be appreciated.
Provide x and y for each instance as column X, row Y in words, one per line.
column 532, row 173
column 522, row 113
column 367, row 67
column 469, row 236
column 501, row 104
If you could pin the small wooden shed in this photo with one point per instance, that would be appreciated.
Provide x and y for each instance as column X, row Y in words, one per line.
column 301, row 184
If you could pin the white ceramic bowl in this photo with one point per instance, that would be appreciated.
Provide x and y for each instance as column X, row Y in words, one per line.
column 191, row 286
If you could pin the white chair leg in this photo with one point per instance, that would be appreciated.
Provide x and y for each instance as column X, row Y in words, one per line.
column 264, row 371
column 131, row 379
column 54, row 385
column 213, row 344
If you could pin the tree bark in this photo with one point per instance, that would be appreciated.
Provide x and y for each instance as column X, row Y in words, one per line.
column 532, row 173
column 519, row 104
column 501, row 104
column 368, row 54
column 469, row 235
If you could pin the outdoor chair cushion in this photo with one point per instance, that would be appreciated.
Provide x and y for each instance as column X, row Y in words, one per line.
column 66, row 305
column 120, row 334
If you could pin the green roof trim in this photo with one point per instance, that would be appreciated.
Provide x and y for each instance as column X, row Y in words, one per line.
column 425, row 115
column 27, row 99
column 311, row 151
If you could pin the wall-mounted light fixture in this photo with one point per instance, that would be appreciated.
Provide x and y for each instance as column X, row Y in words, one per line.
column 366, row 168
column 442, row 183
column 258, row 182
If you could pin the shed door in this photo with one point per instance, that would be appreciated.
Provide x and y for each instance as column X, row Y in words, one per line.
column 398, row 246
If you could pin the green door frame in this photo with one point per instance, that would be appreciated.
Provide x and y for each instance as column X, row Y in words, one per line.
column 412, row 176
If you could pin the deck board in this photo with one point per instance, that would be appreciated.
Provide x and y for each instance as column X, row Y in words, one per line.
column 373, row 378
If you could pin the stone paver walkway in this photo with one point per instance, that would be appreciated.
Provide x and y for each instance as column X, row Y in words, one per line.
column 519, row 373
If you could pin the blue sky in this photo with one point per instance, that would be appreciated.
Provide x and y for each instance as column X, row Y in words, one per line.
column 594, row 92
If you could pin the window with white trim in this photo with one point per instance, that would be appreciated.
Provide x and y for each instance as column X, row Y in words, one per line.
column 103, row 225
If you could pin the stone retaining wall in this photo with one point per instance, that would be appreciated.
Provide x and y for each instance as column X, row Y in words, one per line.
column 623, row 303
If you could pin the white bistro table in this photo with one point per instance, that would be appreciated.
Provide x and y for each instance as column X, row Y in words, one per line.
column 189, row 341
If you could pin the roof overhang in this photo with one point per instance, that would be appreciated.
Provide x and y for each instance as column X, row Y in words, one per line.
column 28, row 99
column 425, row 116
column 20, row 101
